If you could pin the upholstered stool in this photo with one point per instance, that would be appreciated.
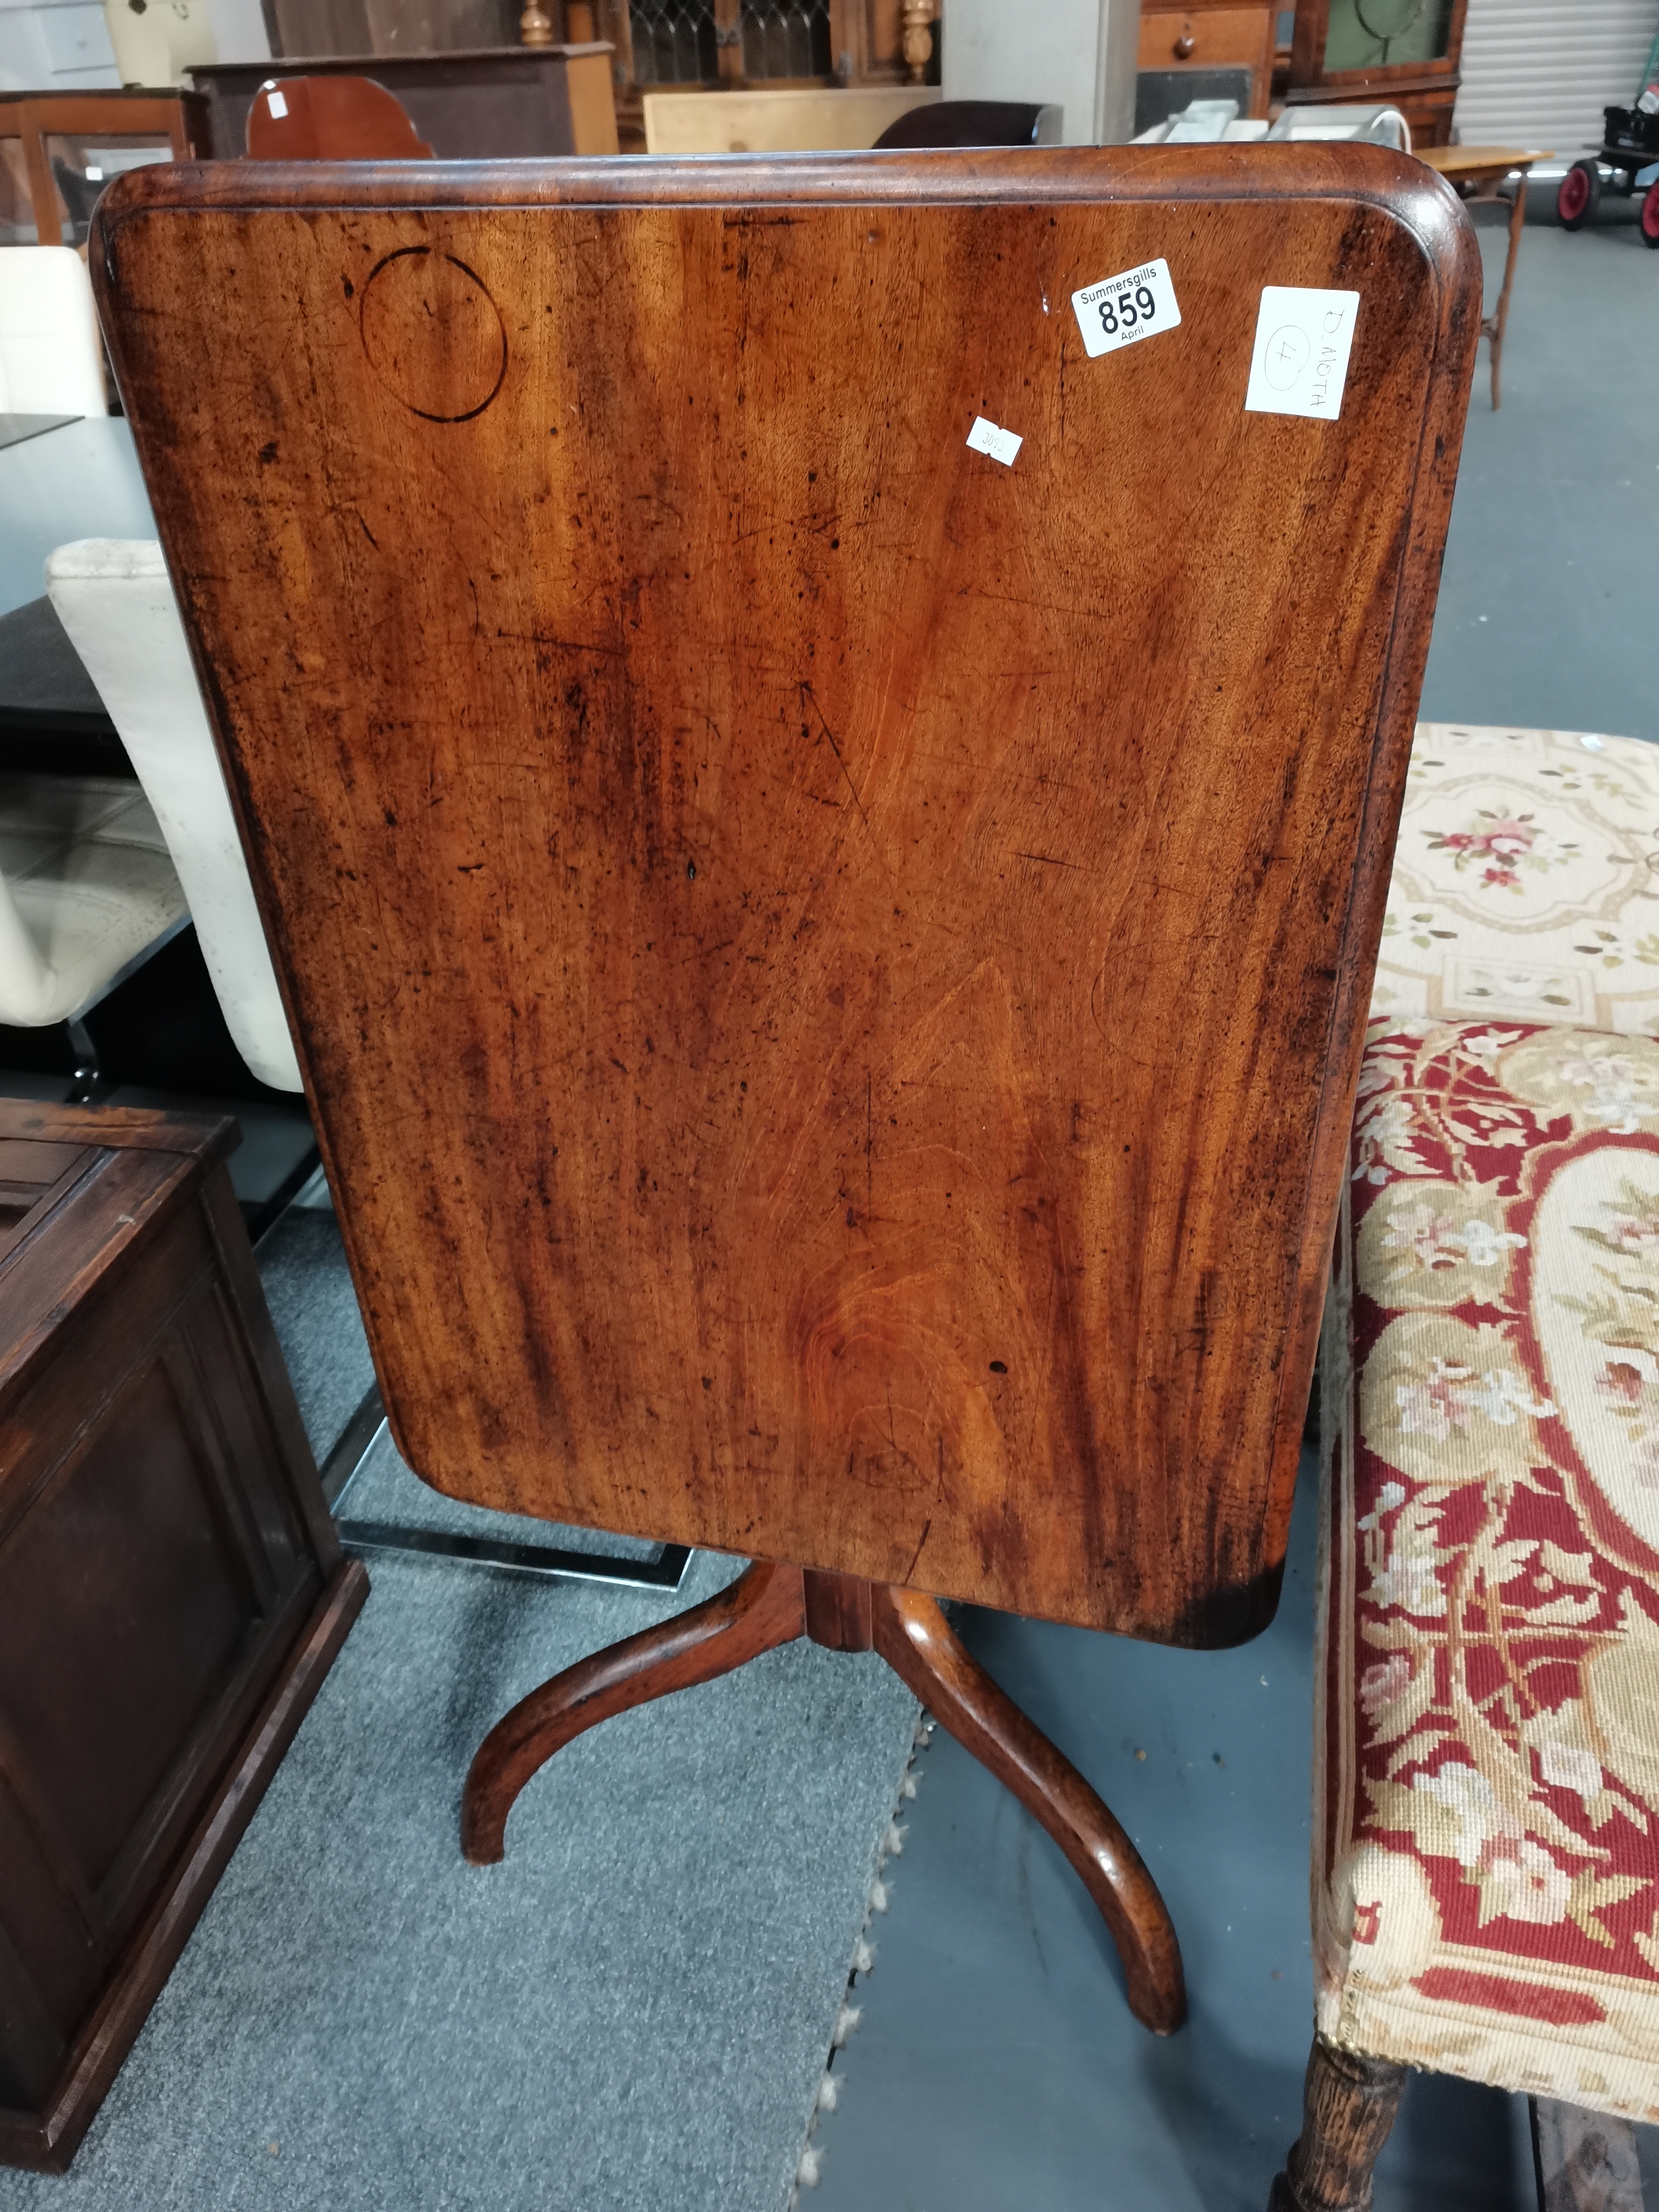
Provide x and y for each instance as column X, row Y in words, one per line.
column 1486, row 1761
column 1526, row 881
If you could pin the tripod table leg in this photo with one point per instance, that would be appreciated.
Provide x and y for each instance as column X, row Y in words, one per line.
column 761, row 1609
column 914, row 1639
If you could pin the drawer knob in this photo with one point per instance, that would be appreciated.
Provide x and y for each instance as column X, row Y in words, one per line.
column 1184, row 44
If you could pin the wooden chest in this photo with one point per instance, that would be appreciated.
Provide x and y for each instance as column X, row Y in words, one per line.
column 172, row 1592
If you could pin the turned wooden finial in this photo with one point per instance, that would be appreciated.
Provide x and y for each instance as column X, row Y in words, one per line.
column 535, row 25
column 918, row 37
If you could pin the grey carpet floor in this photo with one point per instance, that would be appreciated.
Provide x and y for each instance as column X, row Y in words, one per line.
column 314, row 1309
column 1545, row 599
column 632, row 2012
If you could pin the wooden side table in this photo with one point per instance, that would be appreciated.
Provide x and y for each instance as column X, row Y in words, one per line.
column 172, row 1592
column 1478, row 174
column 890, row 1128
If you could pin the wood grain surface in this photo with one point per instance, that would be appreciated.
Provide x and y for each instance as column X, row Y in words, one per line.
column 829, row 969
column 343, row 118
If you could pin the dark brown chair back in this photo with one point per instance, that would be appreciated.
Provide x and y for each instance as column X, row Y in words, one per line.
column 330, row 119
column 829, row 963
column 973, row 123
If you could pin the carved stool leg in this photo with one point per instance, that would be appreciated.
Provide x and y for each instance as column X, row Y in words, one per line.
column 1349, row 2106
column 913, row 1638
column 761, row 1609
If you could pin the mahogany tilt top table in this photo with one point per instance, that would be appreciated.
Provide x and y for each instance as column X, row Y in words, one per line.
column 819, row 741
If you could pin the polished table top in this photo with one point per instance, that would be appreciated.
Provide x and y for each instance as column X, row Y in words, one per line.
column 945, row 826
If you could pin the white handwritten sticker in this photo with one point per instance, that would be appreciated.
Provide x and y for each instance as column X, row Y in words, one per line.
column 1116, row 312
column 1300, row 364
column 1000, row 445
column 276, row 104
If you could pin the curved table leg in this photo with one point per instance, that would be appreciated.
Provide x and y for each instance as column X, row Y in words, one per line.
column 762, row 1609
column 913, row 1638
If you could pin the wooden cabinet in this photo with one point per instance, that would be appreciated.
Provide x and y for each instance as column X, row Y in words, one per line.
column 50, row 171
column 172, row 1591
column 391, row 27
column 1406, row 53
column 655, row 44
column 1207, row 37
column 740, row 45
column 746, row 42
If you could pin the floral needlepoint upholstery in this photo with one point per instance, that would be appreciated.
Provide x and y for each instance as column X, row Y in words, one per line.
column 1526, row 880
column 1487, row 1861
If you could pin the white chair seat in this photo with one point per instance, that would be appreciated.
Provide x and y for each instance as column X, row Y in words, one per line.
column 86, row 890
column 52, row 359
column 114, row 599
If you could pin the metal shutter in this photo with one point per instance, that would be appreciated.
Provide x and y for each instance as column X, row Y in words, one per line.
column 1538, row 72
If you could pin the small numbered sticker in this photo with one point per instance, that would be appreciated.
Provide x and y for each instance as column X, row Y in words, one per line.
column 1138, row 304
column 1001, row 445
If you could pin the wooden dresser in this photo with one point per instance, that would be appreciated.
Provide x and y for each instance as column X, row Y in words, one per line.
column 172, row 1591
column 1212, row 35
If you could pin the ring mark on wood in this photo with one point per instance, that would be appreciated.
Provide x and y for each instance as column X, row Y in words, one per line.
column 433, row 334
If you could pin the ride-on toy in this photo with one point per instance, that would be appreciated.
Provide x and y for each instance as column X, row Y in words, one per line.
column 1630, row 143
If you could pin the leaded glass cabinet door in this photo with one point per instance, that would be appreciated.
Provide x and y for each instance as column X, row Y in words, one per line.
column 674, row 41
column 1404, row 52
column 752, row 42
column 1366, row 34
column 1348, row 42
column 663, row 45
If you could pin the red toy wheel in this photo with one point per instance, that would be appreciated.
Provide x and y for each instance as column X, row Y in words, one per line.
column 1650, row 215
column 1580, row 191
